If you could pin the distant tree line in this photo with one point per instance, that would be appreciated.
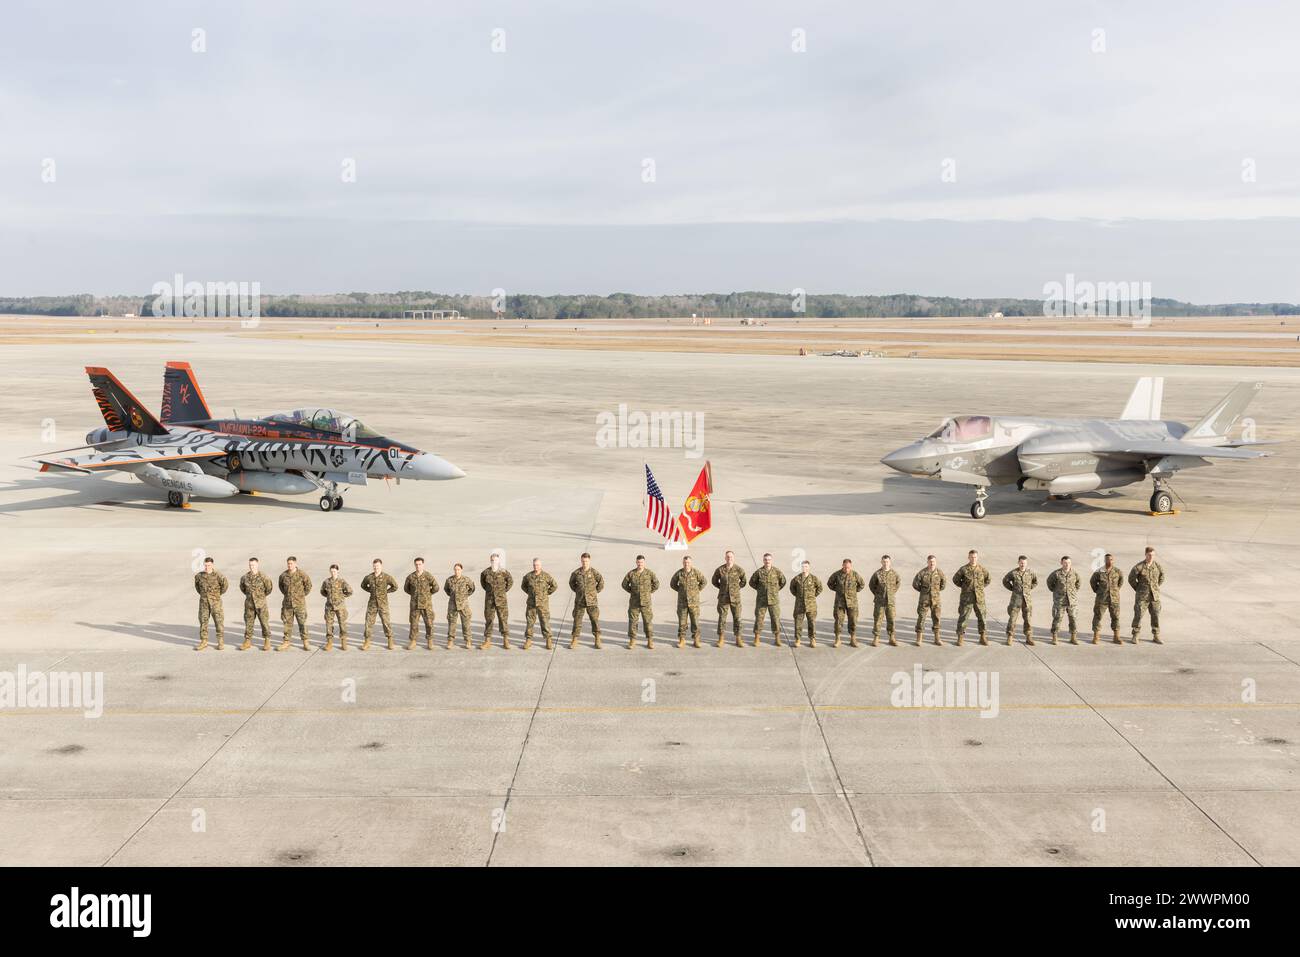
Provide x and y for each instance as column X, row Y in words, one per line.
column 759, row 305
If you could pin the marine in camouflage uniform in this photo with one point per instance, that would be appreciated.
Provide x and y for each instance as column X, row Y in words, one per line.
column 496, row 582
column 586, row 584
column 972, row 578
column 1146, row 578
column 336, row 592
column 1064, row 585
column 929, row 584
column 640, row 583
column 846, row 583
column 458, row 587
column 805, row 587
column 295, row 586
column 767, row 583
column 1106, row 583
column 211, row 585
column 256, row 588
column 729, row 580
column 539, row 586
column 688, row 581
column 1021, row 582
column 378, row 585
column 884, row 585
column 421, row 585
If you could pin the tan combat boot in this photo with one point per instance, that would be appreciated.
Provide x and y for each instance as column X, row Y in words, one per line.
column 892, row 640
column 1155, row 638
column 221, row 644
column 365, row 644
column 306, row 645
column 681, row 641
column 1055, row 639
column 961, row 639
column 755, row 639
column 984, row 638
column 528, row 643
column 428, row 643
column 650, row 644
column 202, row 645
column 740, row 642
column 1010, row 637
column 937, row 639
column 329, row 642
column 798, row 641
column 246, row 645
column 389, row 642
column 1116, row 638
column 777, row 640
column 597, row 643
column 696, row 642
column 875, row 641
column 1074, row 637
column 343, row 641
column 505, row 642
column 1096, row 636
column 918, row 639
column 449, row 641
column 573, row 643
column 836, row 643
column 853, row 641
column 1029, row 638
column 410, row 644
column 812, row 640
column 721, row 640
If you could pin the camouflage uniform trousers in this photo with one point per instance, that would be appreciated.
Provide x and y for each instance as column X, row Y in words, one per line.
column 385, row 619
column 647, row 621
column 218, row 615
column 773, row 614
column 256, row 613
column 689, row 614
column 846, row 614
column 1146, row 604
column 1100, row 606
column 734, row 608
column 495, row 613
column 336, row 624
column 289, row 612
column 593, row 615
column 425, row 615
column 805, row 620
column 967, row 605
column 1063, row 605
column 455, row 615
column 540, row 617
column 1022, row 608
column 931, row 606
column 882, row 610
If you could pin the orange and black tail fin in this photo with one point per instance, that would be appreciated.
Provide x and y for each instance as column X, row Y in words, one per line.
column 182, row 400
column 122, row 411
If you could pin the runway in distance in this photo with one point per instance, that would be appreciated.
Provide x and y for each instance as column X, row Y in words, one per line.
column 1064, row 457
column 187, row 452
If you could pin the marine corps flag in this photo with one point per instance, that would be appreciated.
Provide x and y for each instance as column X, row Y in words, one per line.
column 696, row 517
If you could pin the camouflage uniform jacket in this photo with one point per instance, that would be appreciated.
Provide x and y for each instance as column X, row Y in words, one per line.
column 585, row 586
column 335, row 591
column 930, row 582
column 421, row 587
column 1107, row 584
column 972, row 579
column 768, row 582
column 211, row 587
column 1020, row 583
column 496, row 585
column 379, row 587
column 1146, row 579
column 729, row 582
column 846, row 586
column 295, row 586
column 640, row 584
column 805, row 587
column 256, row 587
column 688, row 585
column 539, row 587
column 1063, row 583
column 884, row 585
column 458, row 589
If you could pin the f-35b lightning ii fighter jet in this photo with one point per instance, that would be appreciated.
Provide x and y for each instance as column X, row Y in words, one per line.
column 1066, row 456
column 189, row 452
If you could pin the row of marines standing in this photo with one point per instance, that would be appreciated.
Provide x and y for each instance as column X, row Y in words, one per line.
column 767, row 582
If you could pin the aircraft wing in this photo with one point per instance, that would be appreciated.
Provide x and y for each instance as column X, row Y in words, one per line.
column 1155, row 448
column 123, row 458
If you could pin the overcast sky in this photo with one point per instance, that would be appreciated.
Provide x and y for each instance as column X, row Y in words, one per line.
column 941, row 148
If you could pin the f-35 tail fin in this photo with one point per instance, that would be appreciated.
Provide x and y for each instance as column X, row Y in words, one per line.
column 122, row 411
column 1221, row 419
column 1144, row 402
column 182, row 400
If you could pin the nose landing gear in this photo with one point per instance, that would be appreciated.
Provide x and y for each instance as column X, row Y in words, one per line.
column 978, row 510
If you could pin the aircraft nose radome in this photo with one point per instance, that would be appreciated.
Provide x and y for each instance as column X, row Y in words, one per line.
column 431, row 467
column 901, row 460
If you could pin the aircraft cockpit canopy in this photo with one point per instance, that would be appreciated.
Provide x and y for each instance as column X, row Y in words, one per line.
column 964, row 428
column 349, row 427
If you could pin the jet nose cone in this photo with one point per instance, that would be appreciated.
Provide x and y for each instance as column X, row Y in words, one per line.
column 906, row 460
column 430, row 467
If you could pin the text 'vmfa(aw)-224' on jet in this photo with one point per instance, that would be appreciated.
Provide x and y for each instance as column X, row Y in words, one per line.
column 187, row 452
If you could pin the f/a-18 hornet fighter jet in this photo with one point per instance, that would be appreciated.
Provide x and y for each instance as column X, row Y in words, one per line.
column 1066, row 456
column 189, row 452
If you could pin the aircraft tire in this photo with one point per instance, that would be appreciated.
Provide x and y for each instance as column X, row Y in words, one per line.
column 326, row 503
column 338, row 502
column 978, row 510
column 175, row 499
column 1161, row 502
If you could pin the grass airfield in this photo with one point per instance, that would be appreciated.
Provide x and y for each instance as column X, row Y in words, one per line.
column 1098, row 755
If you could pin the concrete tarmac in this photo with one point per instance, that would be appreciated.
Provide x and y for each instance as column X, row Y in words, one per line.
column 1186, row 753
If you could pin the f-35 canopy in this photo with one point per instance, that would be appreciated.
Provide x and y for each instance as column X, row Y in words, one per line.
column 327, row 420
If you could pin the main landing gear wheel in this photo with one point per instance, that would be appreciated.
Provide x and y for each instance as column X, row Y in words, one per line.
column 1162, row 501
column 326, row 503
column 175, row 500
column 338, row 502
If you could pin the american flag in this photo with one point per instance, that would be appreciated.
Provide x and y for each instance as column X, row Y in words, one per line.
column 657, row 514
